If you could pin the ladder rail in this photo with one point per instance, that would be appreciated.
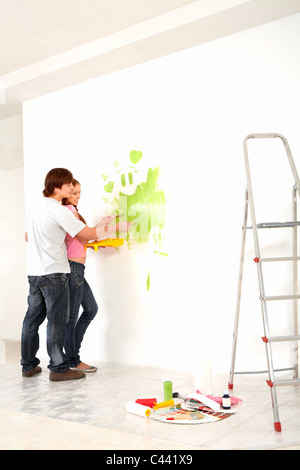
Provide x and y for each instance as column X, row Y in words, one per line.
column 295, row 277
column 239, row 293
column 257, row 251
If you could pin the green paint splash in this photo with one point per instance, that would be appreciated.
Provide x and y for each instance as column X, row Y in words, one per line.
column 142, row 203
column 145, row 207
column 135, row 156
column 109, row 187
column 148, row 281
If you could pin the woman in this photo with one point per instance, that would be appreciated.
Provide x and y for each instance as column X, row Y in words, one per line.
column 80, row 291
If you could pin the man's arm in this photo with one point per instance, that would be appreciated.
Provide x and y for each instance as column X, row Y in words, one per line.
column 86, row 234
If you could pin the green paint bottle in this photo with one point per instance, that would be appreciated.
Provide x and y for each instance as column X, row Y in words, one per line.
column 168, row 390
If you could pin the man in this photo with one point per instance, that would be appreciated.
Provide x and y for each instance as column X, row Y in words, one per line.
column 48, row 274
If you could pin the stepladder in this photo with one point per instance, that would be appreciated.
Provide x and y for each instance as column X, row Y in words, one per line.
column 261, row 261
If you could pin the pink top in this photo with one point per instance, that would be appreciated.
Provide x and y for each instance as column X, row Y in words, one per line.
column 75, row 249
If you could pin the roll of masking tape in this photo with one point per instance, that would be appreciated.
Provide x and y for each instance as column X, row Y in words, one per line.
column 137, row 409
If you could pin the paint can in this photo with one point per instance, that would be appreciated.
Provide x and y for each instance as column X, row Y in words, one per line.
column 168, row 390
column 202, row 378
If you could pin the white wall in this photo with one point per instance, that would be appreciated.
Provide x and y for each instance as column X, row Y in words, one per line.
column 12, row 243
column 12, row 253
column 11, row 143
column 188, row 113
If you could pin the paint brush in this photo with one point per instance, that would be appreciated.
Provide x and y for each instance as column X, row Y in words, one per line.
column 189, row 417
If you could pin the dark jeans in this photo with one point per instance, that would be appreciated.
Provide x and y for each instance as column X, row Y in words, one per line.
column 48, row 297
column 80, row 295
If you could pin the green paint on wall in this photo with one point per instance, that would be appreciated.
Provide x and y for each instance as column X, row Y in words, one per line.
column 160, row 253
column 142, row 203
column 109, row 187
column 135, row 156
column 145, row 207
column 148, row 281
column 139, row 201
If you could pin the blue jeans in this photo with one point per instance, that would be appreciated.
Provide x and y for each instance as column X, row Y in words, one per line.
column 80, row 295
column 48, row 297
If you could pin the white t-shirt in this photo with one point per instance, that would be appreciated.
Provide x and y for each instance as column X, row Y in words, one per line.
column 47, row 226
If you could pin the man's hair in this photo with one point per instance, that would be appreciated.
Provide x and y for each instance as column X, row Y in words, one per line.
column 56, row 178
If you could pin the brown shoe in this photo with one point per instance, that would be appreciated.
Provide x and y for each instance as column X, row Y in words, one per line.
column 69, row 375
column 32, row 372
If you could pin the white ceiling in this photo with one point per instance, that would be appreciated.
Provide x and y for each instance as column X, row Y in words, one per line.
column 47, row 45
column 33, row 30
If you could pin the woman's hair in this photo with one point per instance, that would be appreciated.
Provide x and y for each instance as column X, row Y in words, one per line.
column 65, row 202
column 56, row 178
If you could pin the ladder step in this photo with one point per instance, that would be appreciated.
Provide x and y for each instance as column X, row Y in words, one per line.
column 283, row 382
column 280, row 297
column 263, row 371
column 276, row 224
column 273, row 339
column 282, row 258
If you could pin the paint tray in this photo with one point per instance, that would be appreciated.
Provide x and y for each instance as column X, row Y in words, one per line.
column 109, row 242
